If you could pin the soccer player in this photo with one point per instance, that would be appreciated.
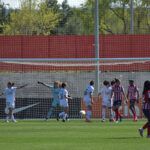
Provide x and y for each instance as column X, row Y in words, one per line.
column 10, row 93
column 88, row 100
column 133, row 96
column 55, row 89
column 64, row 97
column 118, row 94
column 112, row 97
column 105, row 93
column 146, row 108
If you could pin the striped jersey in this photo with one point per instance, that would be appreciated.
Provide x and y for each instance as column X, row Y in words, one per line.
column 146, row 100
column 132, row 92
column 117, row 92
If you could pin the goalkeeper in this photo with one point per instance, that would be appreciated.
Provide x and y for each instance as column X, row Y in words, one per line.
column 55, row 89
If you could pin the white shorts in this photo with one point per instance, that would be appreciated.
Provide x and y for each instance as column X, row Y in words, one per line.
column 10, row 105
column 107, row 103
column 87, row 102
column 64, row 103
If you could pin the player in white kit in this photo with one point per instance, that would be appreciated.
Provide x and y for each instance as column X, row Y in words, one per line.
column 105, row 93
column 10, row 93
column 88, row 100
column 64, row 97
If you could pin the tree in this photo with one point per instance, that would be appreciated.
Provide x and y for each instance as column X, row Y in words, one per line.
column 120, row 9
column 115, row 16
column 53, row 4
column 66, row 15
column 49, row 17
column 88, row 16
column 4, row 16
column 46, row 20
column 142, row 16
column 73, row 24
column 32, row 18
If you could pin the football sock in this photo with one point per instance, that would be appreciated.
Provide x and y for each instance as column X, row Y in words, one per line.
column 133, row 112
column 88, row 115
column 103, row 113
column 111, row 113
column 49, row 114
column 145, row 126
column 7, row 117
column 12, row 117
column 65, row 116
column 148, row 130
column 116, row 113
column 61, row 115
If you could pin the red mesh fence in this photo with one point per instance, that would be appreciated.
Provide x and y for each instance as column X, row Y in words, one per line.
column 111, row 46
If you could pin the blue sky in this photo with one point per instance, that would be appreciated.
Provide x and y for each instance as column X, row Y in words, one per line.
column 15, row 3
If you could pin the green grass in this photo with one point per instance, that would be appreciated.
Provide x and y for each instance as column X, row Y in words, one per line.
column 73, row 135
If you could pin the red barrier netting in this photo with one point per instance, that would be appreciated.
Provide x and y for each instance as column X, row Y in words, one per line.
column 111, row 46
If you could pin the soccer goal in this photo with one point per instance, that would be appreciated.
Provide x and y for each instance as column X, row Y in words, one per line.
column 34, row 100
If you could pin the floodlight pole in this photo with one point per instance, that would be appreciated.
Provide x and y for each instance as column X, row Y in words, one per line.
column 131, row 17
column 97, row 81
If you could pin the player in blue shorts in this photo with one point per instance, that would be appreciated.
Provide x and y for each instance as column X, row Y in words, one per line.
column 55, row 89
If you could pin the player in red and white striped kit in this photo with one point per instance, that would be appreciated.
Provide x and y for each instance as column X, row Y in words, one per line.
column 133, row 96
column 118, row 94
column 146, row 108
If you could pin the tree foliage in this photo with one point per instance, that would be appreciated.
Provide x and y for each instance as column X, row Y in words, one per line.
column 115, row 16
column 32, row 18
column 49, row 17
column 4, row 16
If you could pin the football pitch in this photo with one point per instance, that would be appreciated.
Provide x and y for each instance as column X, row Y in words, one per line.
column 72, row 135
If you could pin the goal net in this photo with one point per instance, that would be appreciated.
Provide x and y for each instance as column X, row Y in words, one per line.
column 35, row 100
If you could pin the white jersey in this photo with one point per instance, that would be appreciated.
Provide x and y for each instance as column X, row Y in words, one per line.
column 88, row 92
column 10, row 94
column 106, row 93
column 63, row 94
column 106, row 96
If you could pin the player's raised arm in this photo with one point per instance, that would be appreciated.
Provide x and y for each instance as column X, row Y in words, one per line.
column 47, row 85
column 20, row 87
